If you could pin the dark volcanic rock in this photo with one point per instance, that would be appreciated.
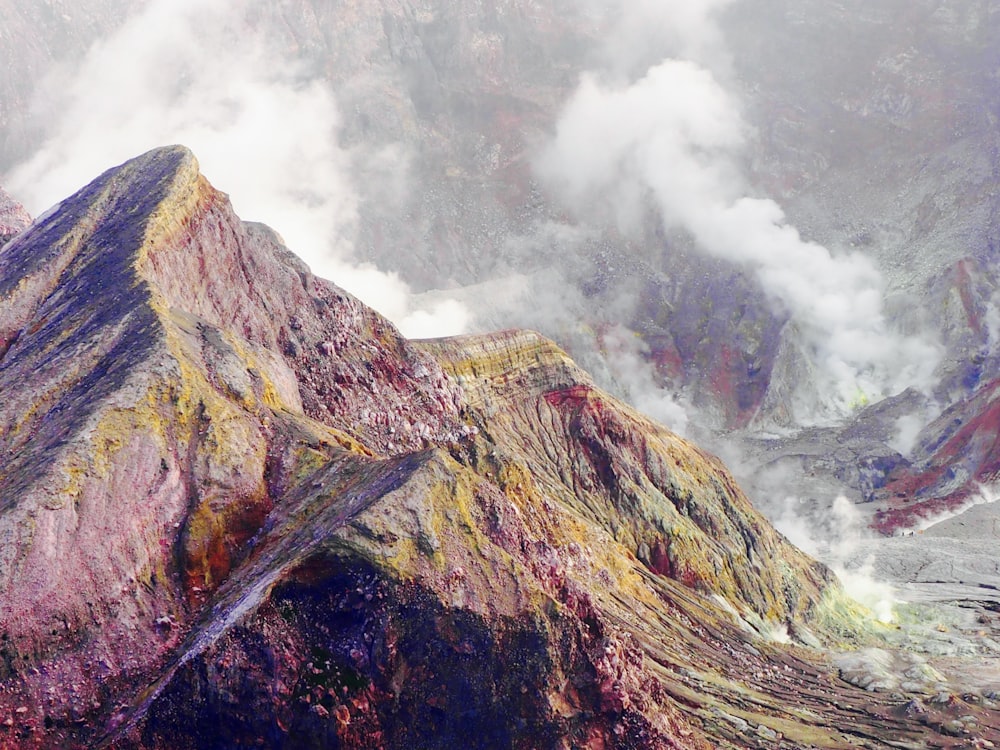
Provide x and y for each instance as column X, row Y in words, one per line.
column 237, row 507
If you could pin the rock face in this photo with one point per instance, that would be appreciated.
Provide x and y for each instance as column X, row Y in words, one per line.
column 883, row 145
column 238, row 508
column 956, row 453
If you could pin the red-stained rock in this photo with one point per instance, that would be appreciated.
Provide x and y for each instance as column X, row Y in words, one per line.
column 959, row 452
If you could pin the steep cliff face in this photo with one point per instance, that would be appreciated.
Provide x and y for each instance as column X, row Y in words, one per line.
column 237, row 507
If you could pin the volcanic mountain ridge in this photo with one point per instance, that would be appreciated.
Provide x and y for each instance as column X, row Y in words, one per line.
column 238, row 508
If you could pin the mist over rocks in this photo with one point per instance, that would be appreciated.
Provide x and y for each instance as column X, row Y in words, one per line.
column 35, row 37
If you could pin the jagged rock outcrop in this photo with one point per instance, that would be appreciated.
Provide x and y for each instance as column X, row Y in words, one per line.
column 238, row 508
column 856, row 147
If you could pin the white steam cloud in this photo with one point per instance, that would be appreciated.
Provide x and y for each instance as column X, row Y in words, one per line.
column 838, row 545
column 182, row 71
column 671, row 140
column 907, row 431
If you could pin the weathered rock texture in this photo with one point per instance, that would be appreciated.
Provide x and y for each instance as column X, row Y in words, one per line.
column 237, row 508
column 886, row 145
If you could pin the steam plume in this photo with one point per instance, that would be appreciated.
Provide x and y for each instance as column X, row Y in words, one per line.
column 181, row 71
column 837, row 545
column 670, row 140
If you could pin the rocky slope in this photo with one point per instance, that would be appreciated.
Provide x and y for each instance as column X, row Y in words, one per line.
column 878, row 138
column 238, row 508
